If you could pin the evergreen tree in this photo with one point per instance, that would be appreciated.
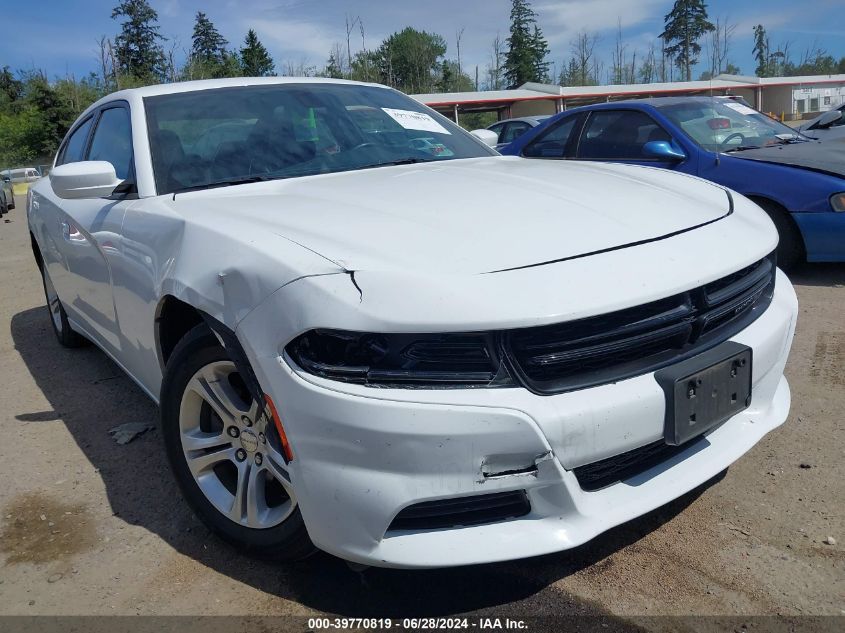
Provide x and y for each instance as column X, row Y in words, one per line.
column 333, row 69
column 208, row 46
column 540, row 47
column 255, row 60
column 525, row 59
column 452, row 79
column 684, row 26
column 761, row 51
column 137, row 48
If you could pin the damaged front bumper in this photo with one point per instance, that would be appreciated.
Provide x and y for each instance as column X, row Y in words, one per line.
column 364, row 455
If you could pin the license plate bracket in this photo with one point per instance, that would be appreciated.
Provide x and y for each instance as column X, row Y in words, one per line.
column 705, row 390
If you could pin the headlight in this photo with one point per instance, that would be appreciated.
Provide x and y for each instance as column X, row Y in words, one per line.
column 837, row 201
column 405, row 360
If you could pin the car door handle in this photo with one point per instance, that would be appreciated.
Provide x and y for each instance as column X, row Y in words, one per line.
column 65, row 230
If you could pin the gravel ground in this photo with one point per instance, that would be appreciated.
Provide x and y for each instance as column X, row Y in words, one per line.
column 90, row 527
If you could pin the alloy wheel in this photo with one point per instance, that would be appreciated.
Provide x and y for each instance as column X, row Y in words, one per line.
column 229, row 451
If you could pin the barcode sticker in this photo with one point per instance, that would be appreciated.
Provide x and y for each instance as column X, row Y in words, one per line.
column 742, row 109
column 411, row 120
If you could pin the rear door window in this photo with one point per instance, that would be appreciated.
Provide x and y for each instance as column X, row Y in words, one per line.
column 514, row 130
column 498, row 128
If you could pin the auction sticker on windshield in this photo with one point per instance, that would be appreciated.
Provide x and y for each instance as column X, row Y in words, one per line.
column 411, row 120
column 742, row 109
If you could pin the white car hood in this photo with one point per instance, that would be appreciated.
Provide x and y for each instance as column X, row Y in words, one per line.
column 464, row 216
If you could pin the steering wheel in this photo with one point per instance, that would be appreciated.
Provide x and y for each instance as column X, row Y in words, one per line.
column 724, row 143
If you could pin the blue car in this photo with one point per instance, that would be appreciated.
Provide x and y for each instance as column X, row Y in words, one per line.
column 798, row 181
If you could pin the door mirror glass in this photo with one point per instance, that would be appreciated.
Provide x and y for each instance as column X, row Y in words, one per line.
column 83, row 180
column 663, row 150
column 487, row 137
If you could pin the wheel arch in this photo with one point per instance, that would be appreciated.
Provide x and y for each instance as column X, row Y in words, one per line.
column 36, row 251
column 770, row 203
column 173, row 320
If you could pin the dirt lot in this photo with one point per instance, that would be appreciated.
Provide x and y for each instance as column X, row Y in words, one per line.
column 90, row 527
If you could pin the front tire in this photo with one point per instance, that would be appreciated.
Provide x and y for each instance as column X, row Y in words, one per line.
column 58, row 317
column 790, row 251
column 225, row 457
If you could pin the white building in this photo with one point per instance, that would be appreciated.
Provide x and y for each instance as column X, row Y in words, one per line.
column 787, row 97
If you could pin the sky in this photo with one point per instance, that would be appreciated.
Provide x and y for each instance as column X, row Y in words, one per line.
column 60, row 36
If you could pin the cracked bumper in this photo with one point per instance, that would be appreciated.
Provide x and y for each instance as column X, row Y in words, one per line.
column 363, row 454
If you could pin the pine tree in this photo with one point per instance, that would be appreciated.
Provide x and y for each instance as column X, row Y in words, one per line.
column 333, row 69
column 525, row 59
column 540, row 48
column 137, row 47
column 684, row 26
column 761, row 51
column 208, row 46
column 255, row 60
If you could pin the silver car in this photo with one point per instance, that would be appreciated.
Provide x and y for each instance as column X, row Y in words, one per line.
column 510, row 129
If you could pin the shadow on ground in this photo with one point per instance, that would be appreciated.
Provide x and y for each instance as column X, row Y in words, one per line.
column 826, row 275
column 91, row 395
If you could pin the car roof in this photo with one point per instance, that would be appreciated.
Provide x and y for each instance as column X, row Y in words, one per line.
column 650, row 102
column 536, row 118
column 134, row 95
column 231, row 82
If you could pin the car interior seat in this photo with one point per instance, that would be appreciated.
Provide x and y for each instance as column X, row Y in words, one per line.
column 171, row 169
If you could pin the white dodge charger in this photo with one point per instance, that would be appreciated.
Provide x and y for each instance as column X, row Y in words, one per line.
column 408, row 354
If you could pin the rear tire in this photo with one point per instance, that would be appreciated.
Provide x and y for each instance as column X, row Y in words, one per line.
column 790, row 251
column 223, row 454
column 58, row 317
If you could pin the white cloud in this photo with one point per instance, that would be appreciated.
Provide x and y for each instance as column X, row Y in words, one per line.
column 169, row 8
column 294, row 36
column 561, row 20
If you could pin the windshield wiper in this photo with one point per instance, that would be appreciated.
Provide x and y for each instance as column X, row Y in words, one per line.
column 410, row 160
column 741, row 148
column 223, row 183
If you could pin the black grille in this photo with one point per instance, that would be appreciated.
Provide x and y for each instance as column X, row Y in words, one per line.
column 461, row 511
column 613, row 469
column 596, row 350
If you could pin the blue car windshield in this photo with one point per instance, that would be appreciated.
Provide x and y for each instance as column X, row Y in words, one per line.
column 224, row 136
column 725, row 125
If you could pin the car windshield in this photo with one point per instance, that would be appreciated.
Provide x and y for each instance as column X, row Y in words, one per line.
column 722, row 125
column 225, row 136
